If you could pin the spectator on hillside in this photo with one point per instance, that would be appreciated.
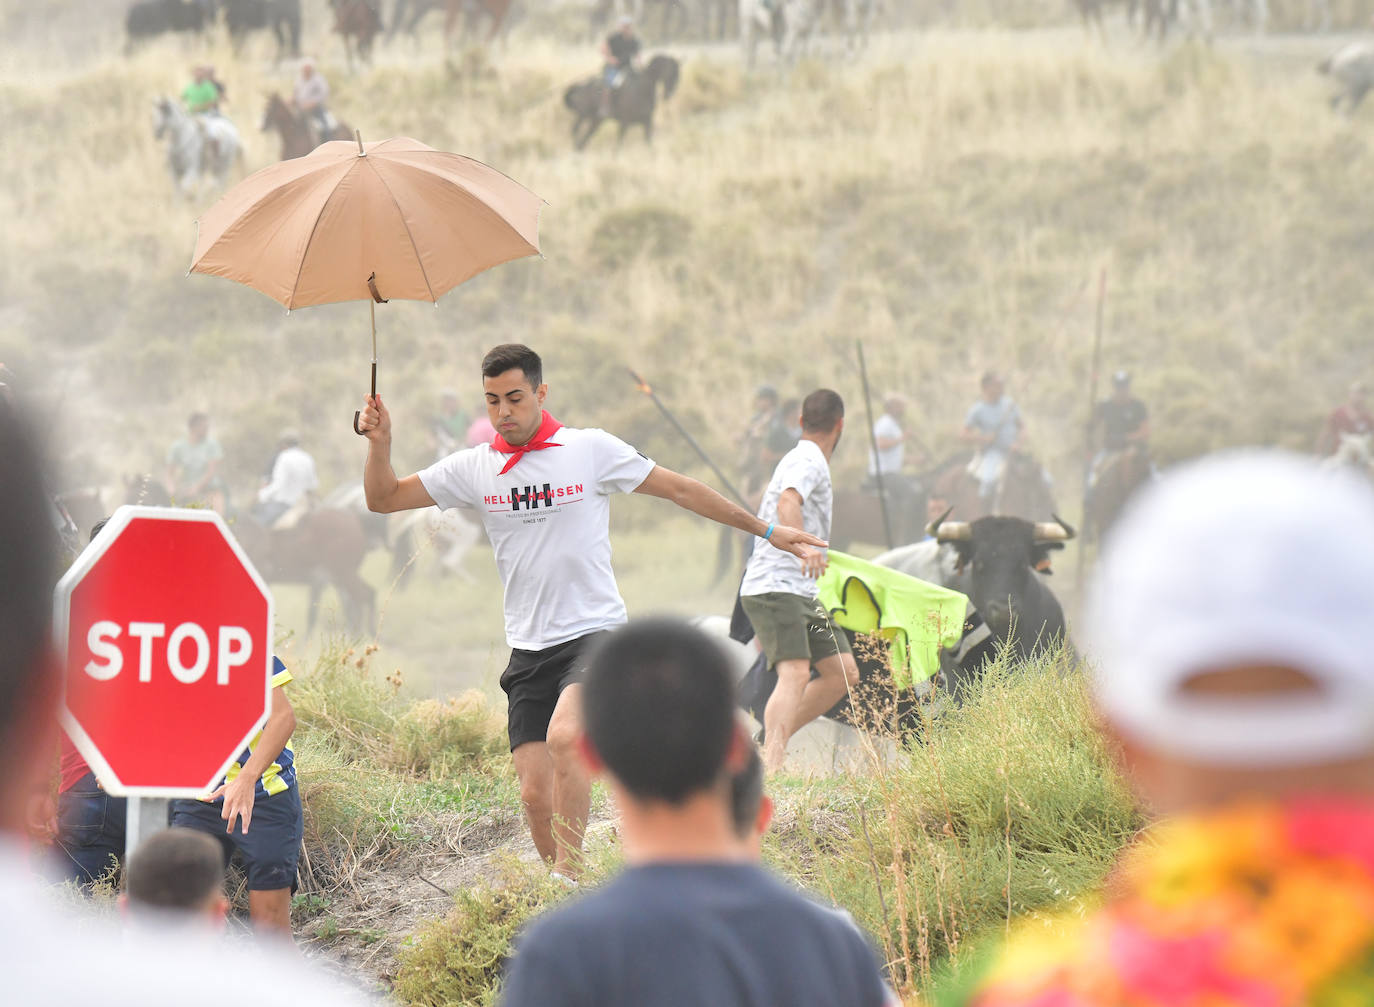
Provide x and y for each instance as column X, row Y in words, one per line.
column 690, row 920
column 1230, row 626
column 261, row 804
column 177, row 871
column 193, row 466
column 51, row 956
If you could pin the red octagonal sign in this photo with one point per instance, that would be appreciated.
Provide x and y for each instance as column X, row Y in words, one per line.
column 165, row 633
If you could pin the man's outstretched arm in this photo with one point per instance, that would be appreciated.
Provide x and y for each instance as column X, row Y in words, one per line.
column 385, row 493
column 695, row 496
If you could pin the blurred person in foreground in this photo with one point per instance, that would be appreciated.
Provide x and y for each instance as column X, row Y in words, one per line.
column 691, row 920
column 542, row 491
column 176, row 872
column 1230, row 621
column 54, row 957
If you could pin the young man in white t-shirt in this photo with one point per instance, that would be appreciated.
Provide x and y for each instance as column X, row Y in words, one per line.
column 542, row 491
column 779, row 593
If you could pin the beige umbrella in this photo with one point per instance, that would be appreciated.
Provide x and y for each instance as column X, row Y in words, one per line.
column 380, row 220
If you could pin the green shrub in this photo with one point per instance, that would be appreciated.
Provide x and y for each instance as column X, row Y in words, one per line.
column 1011, row 805
column 457, row 960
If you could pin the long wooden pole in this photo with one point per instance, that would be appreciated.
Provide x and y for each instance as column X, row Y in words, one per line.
column 648, row 390
column 1093, row 381
column 873, row 442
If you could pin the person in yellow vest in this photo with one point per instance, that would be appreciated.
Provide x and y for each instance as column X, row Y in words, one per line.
column 256, row 812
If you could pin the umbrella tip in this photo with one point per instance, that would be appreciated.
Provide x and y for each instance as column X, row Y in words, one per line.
column 358, row 135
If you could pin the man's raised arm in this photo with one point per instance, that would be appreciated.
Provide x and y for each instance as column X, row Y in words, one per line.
column 695, row 496
column 385, row 493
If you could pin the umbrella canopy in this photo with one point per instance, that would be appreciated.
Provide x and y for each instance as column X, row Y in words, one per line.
column 313, row 229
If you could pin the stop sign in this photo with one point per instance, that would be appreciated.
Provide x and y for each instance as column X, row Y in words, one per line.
column 164, row 630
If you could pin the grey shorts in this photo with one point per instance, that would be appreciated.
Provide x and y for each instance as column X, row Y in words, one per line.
column 793, row 628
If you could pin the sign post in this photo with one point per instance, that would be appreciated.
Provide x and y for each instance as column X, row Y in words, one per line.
column 164, row 632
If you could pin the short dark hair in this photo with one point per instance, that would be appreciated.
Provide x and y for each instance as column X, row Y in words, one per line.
column 514, row 357
column 197, row 418
column 821, row 410
column 175, row 869
column 28, row 568
column 746, row 794
column 988, row 378
column 658, row 707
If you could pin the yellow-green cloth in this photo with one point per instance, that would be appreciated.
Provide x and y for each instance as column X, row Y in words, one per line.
column 916, row 618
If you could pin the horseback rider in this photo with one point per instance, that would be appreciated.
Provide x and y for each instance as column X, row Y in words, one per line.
column 891, row 439
column 764, row 441
column 449, row 426
column 1350, row 419
column 995, row 427
column 620, row 50
column 293, row 480
column 202, row 96
column 310, row 96
column 1121, row 422
column 193, row 466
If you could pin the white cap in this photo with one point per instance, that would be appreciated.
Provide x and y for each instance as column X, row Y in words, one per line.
column 1250, row 557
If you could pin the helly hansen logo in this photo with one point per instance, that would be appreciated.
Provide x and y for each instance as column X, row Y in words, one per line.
column 532, row 498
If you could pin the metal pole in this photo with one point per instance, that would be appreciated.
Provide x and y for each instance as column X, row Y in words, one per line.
column 146, row 816
column 1093, row 379
column 647, row 390
column 873, row 442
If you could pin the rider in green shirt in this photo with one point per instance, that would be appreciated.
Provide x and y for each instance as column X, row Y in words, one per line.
column 201, row 95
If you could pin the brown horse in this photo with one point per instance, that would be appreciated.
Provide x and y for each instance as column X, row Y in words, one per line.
column 325, row 548
column 632, row 103
column 1118, row 476
column 297, row 138
column 1022, row 492
column 359, row 23
column 469, row 11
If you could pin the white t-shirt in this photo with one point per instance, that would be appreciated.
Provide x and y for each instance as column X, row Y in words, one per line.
column 55, row 956
column 805, row 470
column 293, row 476
column 548, row 519
column 891, row 458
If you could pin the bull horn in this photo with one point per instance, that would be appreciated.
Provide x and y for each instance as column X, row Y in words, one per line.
column 955, row 531
column 1059, row 531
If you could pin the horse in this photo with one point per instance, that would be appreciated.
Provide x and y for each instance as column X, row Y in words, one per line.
column 1118, row 476
column 197, row 145
column 1023, row 490
column 151, row 18
column 282, row 16
column 325, row 548
column 359, row 23
column 631, row 104
column 297, row 139
column 857, row 516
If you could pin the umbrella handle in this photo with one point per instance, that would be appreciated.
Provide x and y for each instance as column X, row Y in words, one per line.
column 357, row 413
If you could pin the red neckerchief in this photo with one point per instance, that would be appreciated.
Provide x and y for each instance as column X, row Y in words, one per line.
column 548, row 426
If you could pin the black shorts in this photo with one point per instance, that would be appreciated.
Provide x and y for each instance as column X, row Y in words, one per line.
column 272, row 846
column 533, row 681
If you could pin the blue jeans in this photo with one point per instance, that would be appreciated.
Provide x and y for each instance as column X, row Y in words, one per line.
column 90, row 831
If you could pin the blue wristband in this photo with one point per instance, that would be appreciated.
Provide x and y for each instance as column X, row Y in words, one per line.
column 769, row 533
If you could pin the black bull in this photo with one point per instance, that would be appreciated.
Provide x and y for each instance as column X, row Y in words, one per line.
column 1006, row 557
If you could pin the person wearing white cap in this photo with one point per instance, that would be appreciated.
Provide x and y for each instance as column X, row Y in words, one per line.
column 1231, row 632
